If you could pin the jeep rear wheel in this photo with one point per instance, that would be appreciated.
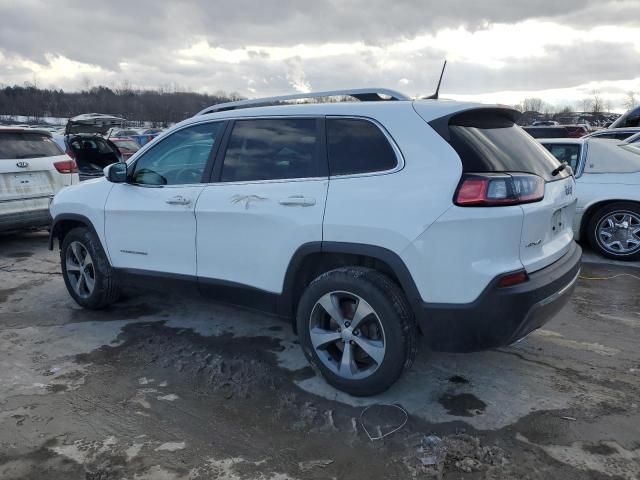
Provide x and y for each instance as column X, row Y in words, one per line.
column 356, row 328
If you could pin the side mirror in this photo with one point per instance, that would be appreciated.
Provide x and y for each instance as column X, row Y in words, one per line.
column 116, row 172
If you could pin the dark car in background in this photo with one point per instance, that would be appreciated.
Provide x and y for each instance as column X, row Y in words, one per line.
column 629, row 119
column 547, row 132
column 615, row 133
column 576, row 131
column 126, row 146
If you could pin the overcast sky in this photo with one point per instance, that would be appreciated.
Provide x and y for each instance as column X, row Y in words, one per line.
column 498, row 50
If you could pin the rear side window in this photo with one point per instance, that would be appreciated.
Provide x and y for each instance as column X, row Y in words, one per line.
column 15, row 145
column 357, row 146
column 491, row 142
column 272, row 149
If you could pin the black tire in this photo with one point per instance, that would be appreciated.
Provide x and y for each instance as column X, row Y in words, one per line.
column 594, row 224
column 391, row 308
column 106, row 290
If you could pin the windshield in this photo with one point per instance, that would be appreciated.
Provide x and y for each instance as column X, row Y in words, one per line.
column 630, row 119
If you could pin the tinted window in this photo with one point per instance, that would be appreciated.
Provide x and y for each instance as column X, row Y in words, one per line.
column 178, row 159
column 487, row 143
column 271, row 149
column 27, row 145
column 569, row 153
column 630, row 119
column 357, row 146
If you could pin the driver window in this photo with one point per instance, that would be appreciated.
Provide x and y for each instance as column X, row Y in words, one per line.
column 179, row 159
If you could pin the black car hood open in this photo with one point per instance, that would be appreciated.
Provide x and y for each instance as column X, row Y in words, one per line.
column 93, row 123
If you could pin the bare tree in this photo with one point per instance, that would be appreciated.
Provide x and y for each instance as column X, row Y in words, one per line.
column 607, row 106
column 597, row 103
column 565, row 110
column 532, row 105
column 586, row 104
column 630, row 102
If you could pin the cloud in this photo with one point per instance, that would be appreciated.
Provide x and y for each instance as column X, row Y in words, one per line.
column 271, row 47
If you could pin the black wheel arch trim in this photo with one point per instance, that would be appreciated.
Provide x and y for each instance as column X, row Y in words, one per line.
column 390, row 258
column 68, row 216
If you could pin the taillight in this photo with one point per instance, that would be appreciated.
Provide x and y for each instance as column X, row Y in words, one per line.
column 66, row 166
column 498, row 189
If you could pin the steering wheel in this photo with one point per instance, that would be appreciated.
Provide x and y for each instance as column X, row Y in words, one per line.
column 188, row 175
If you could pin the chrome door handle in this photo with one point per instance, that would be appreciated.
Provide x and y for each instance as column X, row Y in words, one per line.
column 298, row 200
column 178, row 200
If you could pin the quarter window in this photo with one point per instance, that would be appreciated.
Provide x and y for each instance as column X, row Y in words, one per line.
column 180, row 158
column 272, row 149
column 569, row 153
column 357, row 146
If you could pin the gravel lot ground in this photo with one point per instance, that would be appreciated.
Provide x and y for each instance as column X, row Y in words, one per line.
column 171, row 387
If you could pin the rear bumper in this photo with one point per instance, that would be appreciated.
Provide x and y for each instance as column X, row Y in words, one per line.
column 24, row 220
column 501, row 316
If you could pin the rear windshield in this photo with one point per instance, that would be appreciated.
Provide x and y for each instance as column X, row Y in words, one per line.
column 15, row 145
column 487, row 142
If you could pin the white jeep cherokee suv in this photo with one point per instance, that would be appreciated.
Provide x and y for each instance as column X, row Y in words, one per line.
column 364, row 222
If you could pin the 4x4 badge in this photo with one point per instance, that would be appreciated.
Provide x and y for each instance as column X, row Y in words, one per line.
column 22, row 164
column 568, row 189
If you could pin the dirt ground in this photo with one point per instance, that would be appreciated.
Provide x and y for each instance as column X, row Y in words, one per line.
column 169, row 387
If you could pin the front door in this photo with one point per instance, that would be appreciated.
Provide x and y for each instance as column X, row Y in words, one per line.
column 150, row 222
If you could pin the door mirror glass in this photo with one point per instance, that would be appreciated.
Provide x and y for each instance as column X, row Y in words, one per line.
column 117, row 172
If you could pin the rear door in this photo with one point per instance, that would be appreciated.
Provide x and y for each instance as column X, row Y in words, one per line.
column 28, row 178
column 488, row 141
column 268, row 200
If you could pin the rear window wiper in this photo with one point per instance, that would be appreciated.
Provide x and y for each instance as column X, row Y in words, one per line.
column 558, row 169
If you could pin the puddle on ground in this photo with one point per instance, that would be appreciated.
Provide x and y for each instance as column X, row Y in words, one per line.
column 462, row 404
column 18, row 255
column 458, row 379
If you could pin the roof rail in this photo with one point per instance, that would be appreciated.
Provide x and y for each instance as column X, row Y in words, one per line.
column 362, row 94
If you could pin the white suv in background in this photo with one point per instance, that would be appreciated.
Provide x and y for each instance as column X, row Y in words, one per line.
column 32, row 170
column 364, row 222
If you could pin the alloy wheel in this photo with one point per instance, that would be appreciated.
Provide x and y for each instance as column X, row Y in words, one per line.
column 80, row 269
column 347, row 335
column 619, row 233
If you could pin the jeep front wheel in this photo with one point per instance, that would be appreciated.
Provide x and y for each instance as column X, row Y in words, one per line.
column 87, row 273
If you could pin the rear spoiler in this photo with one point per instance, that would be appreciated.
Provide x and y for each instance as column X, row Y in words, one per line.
column 486, row 117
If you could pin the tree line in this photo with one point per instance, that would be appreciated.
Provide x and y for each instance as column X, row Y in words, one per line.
column 160, row 106
column 594, row 104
